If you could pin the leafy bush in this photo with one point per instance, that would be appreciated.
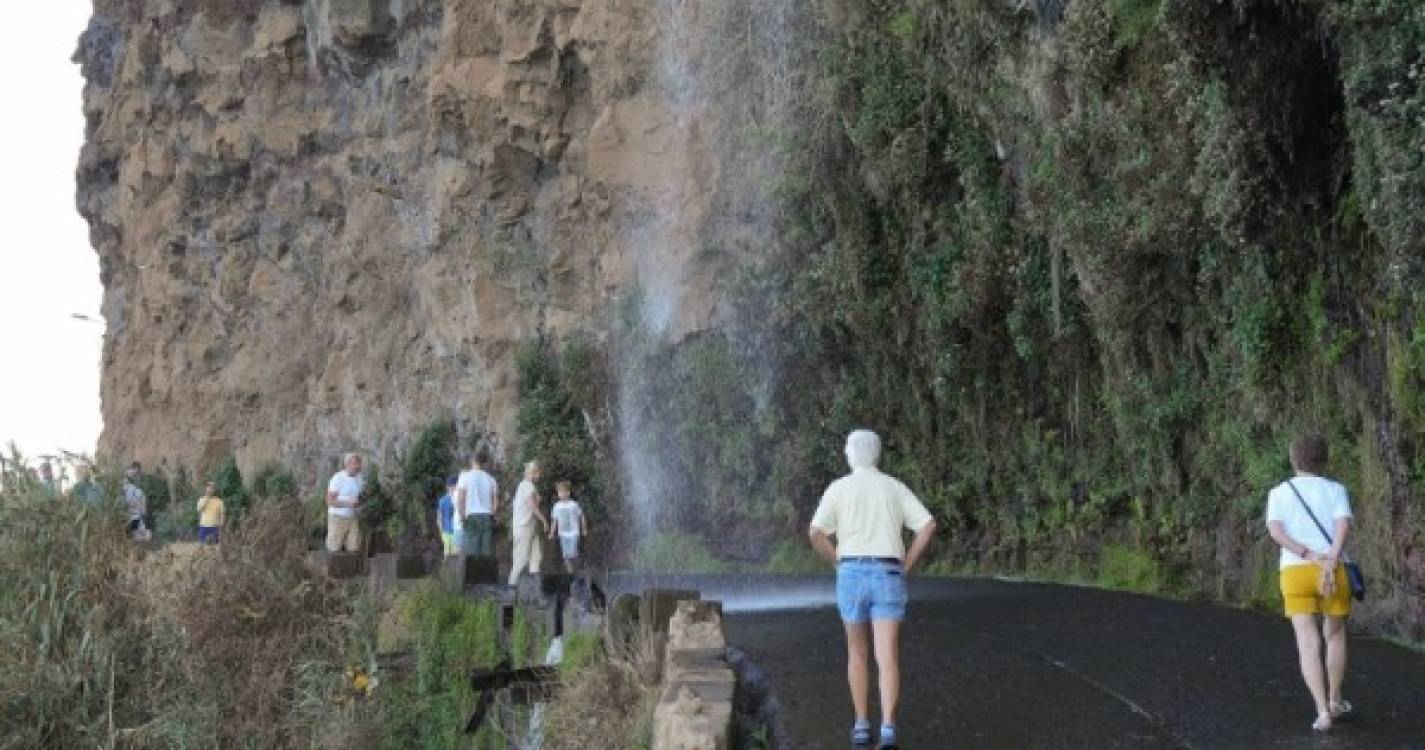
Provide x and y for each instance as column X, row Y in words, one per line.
column 795, row 556
column 1125, row 568
column 452, row 635
column 676, row 553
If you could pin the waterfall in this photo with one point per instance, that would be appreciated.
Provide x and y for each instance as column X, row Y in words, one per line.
column 713, row 107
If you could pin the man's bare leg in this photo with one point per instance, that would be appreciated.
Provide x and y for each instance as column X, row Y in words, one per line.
column 1308, row 646
column 858, row 652
column 888, row 665
column 1334, row 631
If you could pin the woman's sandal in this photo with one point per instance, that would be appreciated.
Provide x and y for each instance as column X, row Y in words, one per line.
column 1322, row 723
column 1342, row 710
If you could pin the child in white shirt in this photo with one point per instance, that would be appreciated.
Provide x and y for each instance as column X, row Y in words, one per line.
column 569, row 524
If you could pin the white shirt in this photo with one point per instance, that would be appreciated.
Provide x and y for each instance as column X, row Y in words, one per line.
column 1328, row 501
column 347, row 489
column 523, row 513
column 866, row 510
column 566, row 516
column 479, row 489
column 135, row 500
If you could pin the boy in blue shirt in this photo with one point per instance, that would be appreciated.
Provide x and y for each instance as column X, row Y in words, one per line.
column 445, row 509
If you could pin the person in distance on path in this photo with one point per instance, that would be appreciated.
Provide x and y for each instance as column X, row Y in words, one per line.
column 476, row 502
column 343, row 504
column 1313, row 577
column 526, row 537
column 569, row 523
column 445, row 515
column 210, row 515
column 866, row 511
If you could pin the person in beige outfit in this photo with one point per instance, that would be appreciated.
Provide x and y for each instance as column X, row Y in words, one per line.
column 528, row 550
column 343, row 506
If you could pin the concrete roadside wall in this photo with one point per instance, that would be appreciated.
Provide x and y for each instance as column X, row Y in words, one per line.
column 695, row 709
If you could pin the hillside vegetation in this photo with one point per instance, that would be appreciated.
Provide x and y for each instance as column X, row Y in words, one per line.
column 1088, row 267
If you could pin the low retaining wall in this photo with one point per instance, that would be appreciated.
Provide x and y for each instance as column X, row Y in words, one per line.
column 695, row 710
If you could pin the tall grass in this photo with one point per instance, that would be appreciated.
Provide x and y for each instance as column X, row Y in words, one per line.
column 104, row 645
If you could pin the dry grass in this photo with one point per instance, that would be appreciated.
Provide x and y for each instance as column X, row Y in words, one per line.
column 607, row 703
column 103, row 646
column 251, row 624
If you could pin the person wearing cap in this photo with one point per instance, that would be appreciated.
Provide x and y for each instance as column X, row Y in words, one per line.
column 865, row 511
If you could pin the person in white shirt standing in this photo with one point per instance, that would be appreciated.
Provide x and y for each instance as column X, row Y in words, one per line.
column 343, row 504
column 475, row 507
column 526, row 538
column 136, row 503
column 1309, row 516
column 866, row 511
column 568, row 520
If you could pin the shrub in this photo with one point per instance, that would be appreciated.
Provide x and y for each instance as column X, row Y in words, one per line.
column 190, row 647
column 1125, row 568
column 795, row 556
column 676, row 553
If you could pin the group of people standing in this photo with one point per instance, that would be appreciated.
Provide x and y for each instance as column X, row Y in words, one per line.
column 467, row 514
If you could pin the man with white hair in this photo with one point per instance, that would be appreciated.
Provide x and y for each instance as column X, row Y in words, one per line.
column 527, row 541
column 866, row 511
column 343, row 503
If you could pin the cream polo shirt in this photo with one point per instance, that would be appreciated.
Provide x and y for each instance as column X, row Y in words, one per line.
column 866, row 510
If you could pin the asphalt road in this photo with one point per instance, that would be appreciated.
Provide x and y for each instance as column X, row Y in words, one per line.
column 991, row 664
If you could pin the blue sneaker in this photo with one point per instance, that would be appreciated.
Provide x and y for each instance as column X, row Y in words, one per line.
column 861, row 735
column 888, row 737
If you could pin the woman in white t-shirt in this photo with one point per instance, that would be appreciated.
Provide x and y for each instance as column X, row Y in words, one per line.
column 1309, row 516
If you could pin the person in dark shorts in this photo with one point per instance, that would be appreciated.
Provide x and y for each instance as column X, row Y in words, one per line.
column 135, row 503
column 210, row 515
column 866, row 511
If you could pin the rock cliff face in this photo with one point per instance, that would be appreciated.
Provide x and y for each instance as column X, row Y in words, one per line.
column 323, row 223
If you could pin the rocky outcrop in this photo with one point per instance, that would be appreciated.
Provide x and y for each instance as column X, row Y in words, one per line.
column 322, row 224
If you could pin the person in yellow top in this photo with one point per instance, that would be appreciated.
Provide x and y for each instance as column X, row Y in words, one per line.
column 866, row 512
column 210, row 515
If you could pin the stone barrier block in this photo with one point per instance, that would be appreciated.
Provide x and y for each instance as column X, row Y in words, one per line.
column 381, row 572
column 658, row 605
column 696, row 625
column 344, row 564
column 694, row 716
column 702, row 666
column 481, row 570
column 411, row 565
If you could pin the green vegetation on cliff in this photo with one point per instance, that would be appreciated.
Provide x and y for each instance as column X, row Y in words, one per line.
column 1087, row 267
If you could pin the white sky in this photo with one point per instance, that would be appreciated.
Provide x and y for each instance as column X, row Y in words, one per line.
column 49, row 374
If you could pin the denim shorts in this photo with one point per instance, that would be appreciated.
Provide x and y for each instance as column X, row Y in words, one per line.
column 870, row 590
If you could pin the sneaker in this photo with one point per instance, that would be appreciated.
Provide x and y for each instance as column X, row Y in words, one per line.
column 888, row 737
column 861, row 735
column 1342, row 711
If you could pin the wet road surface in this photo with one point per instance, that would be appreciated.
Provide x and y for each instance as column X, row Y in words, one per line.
column 991, row 664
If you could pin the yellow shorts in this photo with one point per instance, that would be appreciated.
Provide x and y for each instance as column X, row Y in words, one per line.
column 1301, row 591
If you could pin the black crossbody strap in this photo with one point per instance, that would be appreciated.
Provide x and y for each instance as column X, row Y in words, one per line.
column 1314, row 520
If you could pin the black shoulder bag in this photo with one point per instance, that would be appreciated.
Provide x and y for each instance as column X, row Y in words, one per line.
column 1353, row 570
